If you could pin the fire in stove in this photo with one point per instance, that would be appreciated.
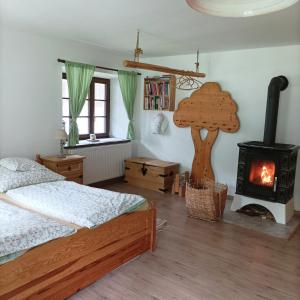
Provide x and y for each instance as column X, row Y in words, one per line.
column 266, row 178
column 262, row 173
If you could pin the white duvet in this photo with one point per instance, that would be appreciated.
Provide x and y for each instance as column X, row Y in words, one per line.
column 21, row 230
column 74, row 203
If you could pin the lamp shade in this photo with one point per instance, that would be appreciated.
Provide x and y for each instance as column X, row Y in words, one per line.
column 61, row 134
column 239, row 8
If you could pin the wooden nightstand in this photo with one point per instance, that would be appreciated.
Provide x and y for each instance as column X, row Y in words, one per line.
column 70, row 166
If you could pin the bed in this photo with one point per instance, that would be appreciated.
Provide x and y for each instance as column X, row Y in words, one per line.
column 60, row 267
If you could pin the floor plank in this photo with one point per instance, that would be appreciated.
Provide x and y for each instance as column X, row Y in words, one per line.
column 200, row 260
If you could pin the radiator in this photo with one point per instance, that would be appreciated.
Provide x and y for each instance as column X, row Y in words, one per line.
column 104, row 162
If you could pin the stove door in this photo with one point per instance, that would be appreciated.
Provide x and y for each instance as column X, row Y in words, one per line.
column 261, row 172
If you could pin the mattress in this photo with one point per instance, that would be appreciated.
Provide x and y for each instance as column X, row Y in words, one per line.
column 21, row 230
column 9, row 257
column 73, row 203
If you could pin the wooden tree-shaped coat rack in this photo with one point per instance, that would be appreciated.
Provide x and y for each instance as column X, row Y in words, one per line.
column 207, row 108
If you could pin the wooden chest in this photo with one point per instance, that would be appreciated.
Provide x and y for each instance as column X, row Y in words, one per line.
column 149, row 173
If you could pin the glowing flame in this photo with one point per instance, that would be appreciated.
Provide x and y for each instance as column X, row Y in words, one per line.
column 265, row 176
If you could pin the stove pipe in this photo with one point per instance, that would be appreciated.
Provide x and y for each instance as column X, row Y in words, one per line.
column 276, row 85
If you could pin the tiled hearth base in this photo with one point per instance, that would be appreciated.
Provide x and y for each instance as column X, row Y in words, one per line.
column 258, row 224
column 281, row 212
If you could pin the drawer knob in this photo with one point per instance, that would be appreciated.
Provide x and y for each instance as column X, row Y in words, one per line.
column 69, row 168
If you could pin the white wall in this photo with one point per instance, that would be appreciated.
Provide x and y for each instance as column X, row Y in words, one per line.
column 246, row 75
column 30, row 89
column 30, row 104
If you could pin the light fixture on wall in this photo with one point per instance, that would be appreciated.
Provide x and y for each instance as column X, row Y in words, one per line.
column 238, row 8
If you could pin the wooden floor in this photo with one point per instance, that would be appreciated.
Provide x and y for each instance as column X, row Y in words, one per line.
column 199, row 260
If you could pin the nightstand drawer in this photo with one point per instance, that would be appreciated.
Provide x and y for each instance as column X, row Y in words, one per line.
column 69, row 168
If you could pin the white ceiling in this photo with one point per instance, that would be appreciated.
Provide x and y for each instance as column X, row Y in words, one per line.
column 168, row 27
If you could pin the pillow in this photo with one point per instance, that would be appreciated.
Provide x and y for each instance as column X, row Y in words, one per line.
column 20, row 164
column 11, row 179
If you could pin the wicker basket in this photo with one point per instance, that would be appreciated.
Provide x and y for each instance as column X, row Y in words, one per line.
column 206, row 200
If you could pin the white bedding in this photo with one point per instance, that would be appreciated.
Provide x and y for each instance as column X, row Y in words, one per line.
column 74, row 203
column 21, row 230
column 13, row 179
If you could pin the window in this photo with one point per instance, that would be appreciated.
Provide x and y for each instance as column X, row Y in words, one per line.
column 94, row 117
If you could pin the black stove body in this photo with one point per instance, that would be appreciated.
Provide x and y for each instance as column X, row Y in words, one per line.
column 267, row 170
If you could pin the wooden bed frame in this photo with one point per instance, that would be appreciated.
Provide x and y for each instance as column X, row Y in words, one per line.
column 62, row 267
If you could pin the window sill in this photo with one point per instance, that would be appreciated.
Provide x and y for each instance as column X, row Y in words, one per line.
column 101, row 142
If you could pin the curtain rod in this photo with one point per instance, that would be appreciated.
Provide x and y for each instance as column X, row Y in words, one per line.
column 98, row 67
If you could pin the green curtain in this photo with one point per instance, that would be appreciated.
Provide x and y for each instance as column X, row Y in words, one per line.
column 79, row 78
column 128, row 85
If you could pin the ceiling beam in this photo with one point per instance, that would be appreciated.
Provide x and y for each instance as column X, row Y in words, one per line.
column 139, row 65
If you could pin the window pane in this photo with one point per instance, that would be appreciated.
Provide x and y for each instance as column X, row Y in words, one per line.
column 65, row 91
column 100, row 108
column 67, row 124
column 85, row 110
column 100, row 91
column 99, row 125
column 83, row 125
column 65, row 107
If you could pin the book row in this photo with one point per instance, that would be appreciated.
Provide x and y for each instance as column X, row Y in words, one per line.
column 157, row 88
column 156, row 103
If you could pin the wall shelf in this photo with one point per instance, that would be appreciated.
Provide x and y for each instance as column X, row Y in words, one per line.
column 159, row 93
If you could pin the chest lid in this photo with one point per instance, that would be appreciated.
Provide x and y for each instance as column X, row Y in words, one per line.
column 151, row 162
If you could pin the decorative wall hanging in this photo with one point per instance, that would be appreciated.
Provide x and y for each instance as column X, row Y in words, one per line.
column 188, row 83
column 159, row 124
column 207, row 108
column 136, row 64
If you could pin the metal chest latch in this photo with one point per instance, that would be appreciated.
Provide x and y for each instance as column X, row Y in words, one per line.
column 144, row 170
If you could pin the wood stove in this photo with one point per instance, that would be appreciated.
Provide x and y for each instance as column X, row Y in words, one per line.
column 267, row 170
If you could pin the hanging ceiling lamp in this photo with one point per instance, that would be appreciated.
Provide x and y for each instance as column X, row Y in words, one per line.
column 239, row 8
